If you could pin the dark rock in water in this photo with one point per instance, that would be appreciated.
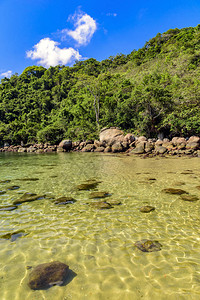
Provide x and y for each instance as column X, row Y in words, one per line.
column 7, row 207
column 12, row 236
column 101, row 205
column 2, row 192
column 187, row 172
column 148, row 245
column 28, row 197
column 179, row 183
column 94, row 195
column 64, row 200
column 114, row 202
column 151, row 179
column 190, row 198
column 13, row 187
column 174, row 191
column 5, row 181
column 28, row 179
column 147, row 208
column 90, row 185
column 47, row 275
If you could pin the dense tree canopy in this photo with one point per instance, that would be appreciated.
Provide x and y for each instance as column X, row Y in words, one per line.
column 152, row 90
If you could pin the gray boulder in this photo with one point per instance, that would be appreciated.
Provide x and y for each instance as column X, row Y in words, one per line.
column 112, row 135
column 66, row 145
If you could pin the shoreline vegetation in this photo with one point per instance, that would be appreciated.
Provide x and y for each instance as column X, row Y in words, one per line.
column 152, row 92
column 114, row 140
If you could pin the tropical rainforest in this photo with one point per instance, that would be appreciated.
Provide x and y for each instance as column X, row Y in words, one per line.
column 154, row 90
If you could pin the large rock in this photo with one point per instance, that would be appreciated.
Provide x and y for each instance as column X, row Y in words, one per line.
column 129, row 138
column 141, row 139
column 160, row 150
column 88, row 148
column 47, row 275
column 117, row 147
column 194, row 139
column 111, row 136
column 139, row 148
column 192, row 145
column 99, row 149
column 66, row 145
column 149, row 146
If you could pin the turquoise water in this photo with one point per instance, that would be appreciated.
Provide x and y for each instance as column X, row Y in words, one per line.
column 98, row 245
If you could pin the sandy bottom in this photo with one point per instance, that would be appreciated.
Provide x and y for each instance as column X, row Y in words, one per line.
column 98, row 245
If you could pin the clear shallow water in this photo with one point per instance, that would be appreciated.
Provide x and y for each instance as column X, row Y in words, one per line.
column 98, row 245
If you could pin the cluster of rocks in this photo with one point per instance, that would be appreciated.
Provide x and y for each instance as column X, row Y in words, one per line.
column 114, row 140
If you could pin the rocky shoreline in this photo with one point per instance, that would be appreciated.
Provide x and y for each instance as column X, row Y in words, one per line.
column 114, row 140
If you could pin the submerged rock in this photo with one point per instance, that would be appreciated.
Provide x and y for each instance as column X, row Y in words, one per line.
column 64, row 200
column 7, row 207
column 28, row 179
column 191, row 198
column 174, row 191
column 147, row 208
column 2, row 192
column 148, row 245
column 94, row 195
column 13, row 187
column 101, row 205
column 5, row 181
column 179, row 183
column 89, row 185
column 12, row 236
column 114, row 202
column 29, row 197
column 46, row 275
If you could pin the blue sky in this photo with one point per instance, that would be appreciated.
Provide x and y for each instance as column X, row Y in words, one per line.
column 50, row 32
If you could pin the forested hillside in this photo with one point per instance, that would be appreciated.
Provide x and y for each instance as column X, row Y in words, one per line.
column 150, row 91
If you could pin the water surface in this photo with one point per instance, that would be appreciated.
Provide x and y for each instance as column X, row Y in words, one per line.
column 98, row 245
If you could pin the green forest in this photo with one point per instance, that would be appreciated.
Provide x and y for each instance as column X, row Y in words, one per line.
column 153, row 90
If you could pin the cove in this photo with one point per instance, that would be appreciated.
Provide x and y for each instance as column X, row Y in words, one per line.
column 99, row 244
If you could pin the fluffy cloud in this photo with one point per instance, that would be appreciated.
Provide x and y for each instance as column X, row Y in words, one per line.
column 6, row 74
column 85, row 27
column 49, row 54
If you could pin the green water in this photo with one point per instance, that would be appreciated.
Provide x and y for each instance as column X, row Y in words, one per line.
column 98, row 245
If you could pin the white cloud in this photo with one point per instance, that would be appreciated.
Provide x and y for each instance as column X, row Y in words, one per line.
column 111, row 15
column 49, row 54
column 6, row 74
column 85, row 27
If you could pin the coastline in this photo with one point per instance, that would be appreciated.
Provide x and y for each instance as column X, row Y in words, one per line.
column 113, row 140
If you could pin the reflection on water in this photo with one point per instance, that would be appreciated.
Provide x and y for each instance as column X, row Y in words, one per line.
column 98, row 245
